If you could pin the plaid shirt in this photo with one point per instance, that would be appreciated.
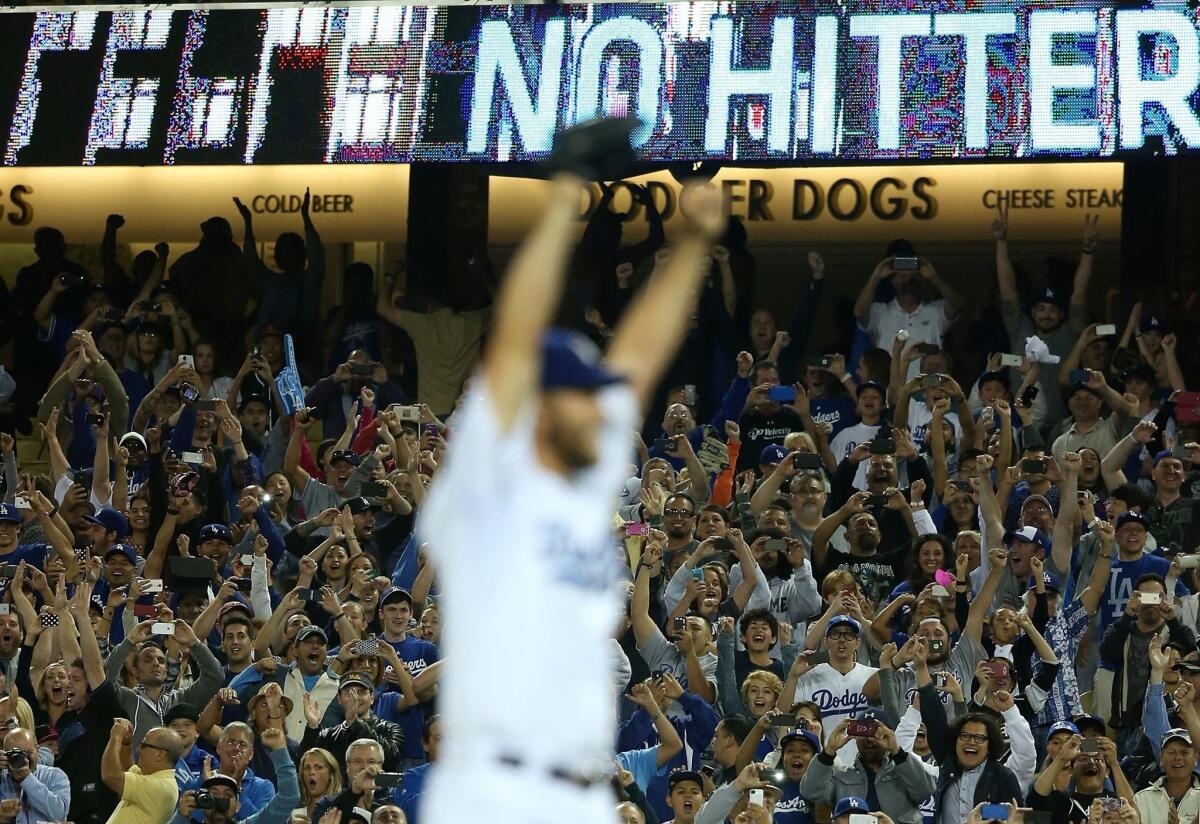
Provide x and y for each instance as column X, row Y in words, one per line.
column 1063, row 634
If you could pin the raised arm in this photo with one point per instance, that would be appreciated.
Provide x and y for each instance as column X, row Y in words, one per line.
column 1083, row 272
column 649, row 334
column 866, row 296
column 1005, row 274
column 982, row 604
column 249, row 246
column 1068, row 513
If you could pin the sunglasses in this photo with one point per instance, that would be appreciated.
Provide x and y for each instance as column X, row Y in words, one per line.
column 678, row 513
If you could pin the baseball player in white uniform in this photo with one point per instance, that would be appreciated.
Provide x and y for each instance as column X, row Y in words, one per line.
column 519, row 520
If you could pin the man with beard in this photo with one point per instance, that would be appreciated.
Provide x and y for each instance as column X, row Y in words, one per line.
column 148, row 702
column 83, row 730
column 1174, row 519
column 679, row 522
column 1125, row 649
column 926, row 321
column 105, row 529
column 215, row 542
column 224, row 790
column 1048, row 317
column 888, row 777
column 876, row 569
column 1089, row 771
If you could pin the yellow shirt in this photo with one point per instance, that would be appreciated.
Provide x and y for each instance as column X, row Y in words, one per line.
column 146, row 799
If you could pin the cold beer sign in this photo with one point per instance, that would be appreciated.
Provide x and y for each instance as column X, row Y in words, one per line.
column 742, row 82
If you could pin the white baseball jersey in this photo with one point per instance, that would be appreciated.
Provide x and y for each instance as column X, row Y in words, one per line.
column 839, row 696
column 520, row 547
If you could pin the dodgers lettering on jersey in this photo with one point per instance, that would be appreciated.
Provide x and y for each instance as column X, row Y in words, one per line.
column 839, row 696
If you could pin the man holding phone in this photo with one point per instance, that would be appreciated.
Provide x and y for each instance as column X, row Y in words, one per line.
column 770, row 414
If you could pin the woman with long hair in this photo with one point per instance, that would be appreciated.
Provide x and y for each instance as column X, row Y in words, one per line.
column 320, row 777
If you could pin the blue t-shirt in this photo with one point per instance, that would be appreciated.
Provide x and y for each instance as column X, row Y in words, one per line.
column 417, row 654
column 411, row 720
column 793, row 808
column 408, row 795
column 1121, row 578
column 838, row 412
column 643, row 764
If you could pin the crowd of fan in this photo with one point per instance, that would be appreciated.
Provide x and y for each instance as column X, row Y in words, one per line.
column 854, row 587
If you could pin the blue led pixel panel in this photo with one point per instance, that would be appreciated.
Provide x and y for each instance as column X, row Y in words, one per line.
column 742, row 82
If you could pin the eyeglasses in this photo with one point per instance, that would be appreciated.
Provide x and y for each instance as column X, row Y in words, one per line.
column 234, row 744
column 154, row 747
column 842, row 635
column 678, row 513
column 973, row 737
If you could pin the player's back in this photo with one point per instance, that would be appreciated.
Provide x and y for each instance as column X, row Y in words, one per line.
column 528, row 566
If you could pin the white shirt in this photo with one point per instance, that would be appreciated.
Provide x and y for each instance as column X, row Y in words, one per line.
column 845, row 441
column 926, row 325
column 519, row 546
column 919, row 418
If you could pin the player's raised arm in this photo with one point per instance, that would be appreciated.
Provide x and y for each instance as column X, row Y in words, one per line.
column 528, row 299
column 650, row 333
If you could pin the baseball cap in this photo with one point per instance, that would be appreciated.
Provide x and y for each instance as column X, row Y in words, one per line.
column 123, row 549
column 1035, row 498
column 850, row 804
column 1048, row 294
column 1002, row 377
column 347, row 455
column 1160, row 456
column 218, row 532
column 1153, row 323
column 1130, row 516
column 877, row 714
column 876, row 385
column 772, row 453
column 1049, row 579
column 307, row 632
column 233, row 606
column 249, row 399
column 1026, row 533
column 269, row 330
column 355, row 678
column 801, row 735
column 1062, row 726
column 1176, row 732
column 1093, row 722
column 189, row 711
column 1189, row 662
column 135, row 437
column 360, row 505
column 572, row 361
column 9, row 514
column 679, row 776
column 223, row 780
column 111, row 520
column 843, row 620
column 1141, row 372
column 1079, row 386
column 394, row 593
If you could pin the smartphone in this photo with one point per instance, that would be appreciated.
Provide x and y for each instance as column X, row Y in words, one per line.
column 431, row 429
column 145, row 610
column 883, row 446
column 246, row 560
column 994, row 812
column 1029, row 395
column 877, row 500
column 1089, row 745
column 243, row 585
column 932, row 381
column 22, row 502
column 771, row 759
column 1188, row 561
column 368, row 647
column 1110, row 805
column 698, row 574
column 636, row 528
column 8, row 571
column 905, row 264
column 859, row 818
column 783, row 721
column 997, row 670
column 782, row 394
column 861, row 729
column 939, row 680
column 162, row 628
column 94, row 419
column 1187, row 407
column 1079, row 376
column 255, row 351
column 49, row 619
column 776, row 545
column 186, row 360
column 936, row 645
column 362, row 369
column 1106, row 329
column 189, row 393
column 312, row 596
column 756, row 797
column 1010, row 360
column 1035, row 466
column 205, row 405
column 1151, row 598
column 373, row 489
column 408, row 413
column 821, row 362
column 152, row 585
column 192, row 458
column 5, row 609
column 389, row 779
column 806, row 460
column 680, row 624
column 940, row 591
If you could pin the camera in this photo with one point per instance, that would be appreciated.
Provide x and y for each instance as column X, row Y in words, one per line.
column 207, row 801
column 17, row 759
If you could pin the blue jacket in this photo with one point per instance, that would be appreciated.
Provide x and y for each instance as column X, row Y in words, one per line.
column 276, row 811
column 408, row 795
column 46, row 792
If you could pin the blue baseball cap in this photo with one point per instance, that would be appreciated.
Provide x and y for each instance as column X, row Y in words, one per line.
column 679, row 776
column 1049, row 579
column 218, row 532
column 1026, row 533
column 572, row 361
column 1093, row 721
column 122, row 549
column 1153, row 323
column 876, row 385
column 9, row 514
column 1048, row 294
column 111, row 520
column 1129, row 516
column 877, row 714
column 843, row 620
column 850, row 804
column 347, row 455
column 801, row 735
column 772, row 453
column 1062, row 726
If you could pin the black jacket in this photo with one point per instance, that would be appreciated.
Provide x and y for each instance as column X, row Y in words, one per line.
column 1114, row 653
column 336, row 739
